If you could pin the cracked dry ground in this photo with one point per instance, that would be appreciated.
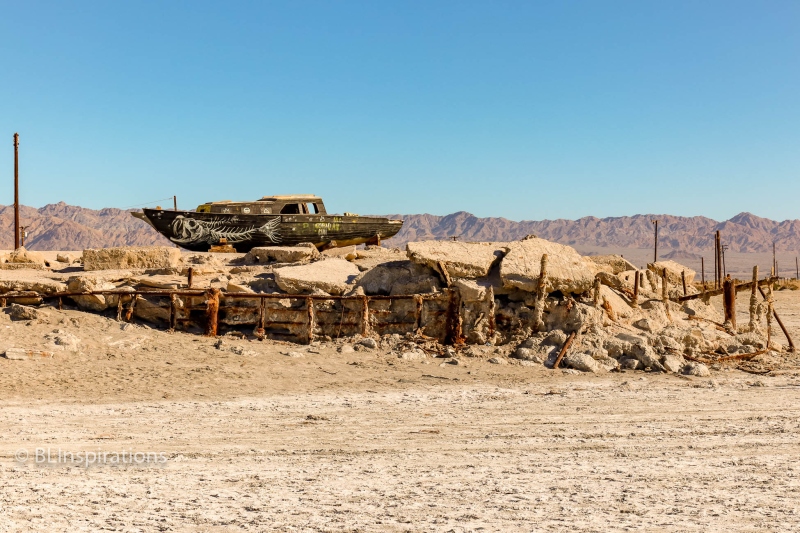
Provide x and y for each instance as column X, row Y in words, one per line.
column 365, row 442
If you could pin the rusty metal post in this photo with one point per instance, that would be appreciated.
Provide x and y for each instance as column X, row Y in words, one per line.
column 175, row 202
column 453, row 330
column 538, row 311
column 365, row 316
column 190, row 276
column 596, row 293
column 262, row 311
column 635, row 300
column 173, row 311
column 129, row 312
column 312, row 322
column 418, row 313
column 683, row 280
column 212, row 312
column 729, row 301
column 563, row 351
column 754, row 300
column 16, row 191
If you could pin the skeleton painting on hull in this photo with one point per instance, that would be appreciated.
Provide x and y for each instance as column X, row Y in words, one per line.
column 192, row 231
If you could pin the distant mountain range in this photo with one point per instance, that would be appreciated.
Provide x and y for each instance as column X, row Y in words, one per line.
column 65, row 227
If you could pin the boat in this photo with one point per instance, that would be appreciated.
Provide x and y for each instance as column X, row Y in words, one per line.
column 268, row 221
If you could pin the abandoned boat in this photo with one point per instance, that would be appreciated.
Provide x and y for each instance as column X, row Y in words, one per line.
column 269, row 221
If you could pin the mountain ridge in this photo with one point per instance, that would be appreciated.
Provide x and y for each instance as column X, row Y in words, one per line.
column 65, row 227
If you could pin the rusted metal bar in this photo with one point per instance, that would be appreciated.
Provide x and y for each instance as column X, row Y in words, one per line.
column 129, row 312
column 212, row 311
column 729, row 301
column 16, row 191
column 418, row 314
column 564, row 349
column 453, row 330
column 175, row 202
column 538, row 310
column 262, row 307
column 635, row 299
column 60, row 304
column 190, row 277
column 311, row 320
column 780, row 323
column 365, row 316
column 445, row 275
column 683, row 280
column 173, row 311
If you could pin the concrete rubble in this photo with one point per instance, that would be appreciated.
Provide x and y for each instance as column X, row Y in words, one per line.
column 501, row 314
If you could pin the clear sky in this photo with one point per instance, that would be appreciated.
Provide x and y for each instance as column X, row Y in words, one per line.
column 526, row 110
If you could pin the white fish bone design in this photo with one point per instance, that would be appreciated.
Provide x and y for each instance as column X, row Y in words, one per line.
column 193, row 231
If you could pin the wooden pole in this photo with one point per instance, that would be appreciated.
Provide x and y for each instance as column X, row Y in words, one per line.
column 780, row 322
column 635, row 301
column 729, row 301
column 683, row 280
column 703, row 272
column 16, row 191
column 753, row 300
column 190, row 277
column 774, row 261
column 719, row 260
column 212, row 311
column 175, row 202
column 655, row 244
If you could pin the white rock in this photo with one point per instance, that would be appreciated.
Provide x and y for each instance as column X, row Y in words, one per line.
column 581, row 361
column 302, row 253
column 567, row 270
column 22, row 354
column 614, row 263
column 696, row 369
column 460, row 259
column 414, row 355
column 673, row 363
column 331, row 276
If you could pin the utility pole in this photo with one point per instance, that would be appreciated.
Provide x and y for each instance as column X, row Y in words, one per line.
column 774, row 261
column 16, row 191
column 655, row 244
column 796, row 268
column 724, row 247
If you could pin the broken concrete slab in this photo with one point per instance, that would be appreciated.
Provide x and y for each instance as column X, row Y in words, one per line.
column 673, row 271
column 567, row 270
column 301, row 253
column 459, row 259
column 131, row 257
column 331, row 276
column 613, row 264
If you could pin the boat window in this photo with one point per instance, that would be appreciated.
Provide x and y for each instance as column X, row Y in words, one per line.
column 291, row 209
column 312, row 208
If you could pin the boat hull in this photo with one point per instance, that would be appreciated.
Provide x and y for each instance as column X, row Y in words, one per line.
column 197, row 231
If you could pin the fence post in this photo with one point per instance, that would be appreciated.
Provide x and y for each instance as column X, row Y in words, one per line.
column 212, row 311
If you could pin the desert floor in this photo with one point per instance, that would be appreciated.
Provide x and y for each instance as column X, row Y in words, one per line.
column 255, row 440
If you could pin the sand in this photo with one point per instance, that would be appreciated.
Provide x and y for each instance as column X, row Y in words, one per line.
column 255, row 440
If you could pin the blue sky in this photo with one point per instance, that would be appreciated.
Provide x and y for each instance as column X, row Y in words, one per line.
column 526, row 110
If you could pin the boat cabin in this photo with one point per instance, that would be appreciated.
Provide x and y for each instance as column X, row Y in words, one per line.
column 298, row 204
